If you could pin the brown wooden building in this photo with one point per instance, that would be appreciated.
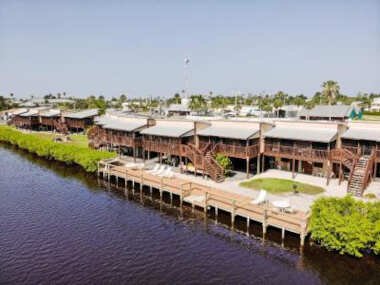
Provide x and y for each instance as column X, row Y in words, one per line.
column 27, row 120
column 120, row 133
column 240, row 141
column 80, row 121
column 49, row 119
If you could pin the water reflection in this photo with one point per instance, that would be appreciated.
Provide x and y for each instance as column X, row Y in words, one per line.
column 50, row 209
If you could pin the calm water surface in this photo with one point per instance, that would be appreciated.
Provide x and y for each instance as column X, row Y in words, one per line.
column 58, row 225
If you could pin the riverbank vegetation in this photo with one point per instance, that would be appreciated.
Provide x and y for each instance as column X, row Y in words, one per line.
column 346, row 225
column 70, row 153
column 278, row 185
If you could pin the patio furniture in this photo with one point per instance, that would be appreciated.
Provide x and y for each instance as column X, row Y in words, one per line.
column 282, row 205
column 154, row 169
column 261, row 198
column 166, row 172
column 160, row 170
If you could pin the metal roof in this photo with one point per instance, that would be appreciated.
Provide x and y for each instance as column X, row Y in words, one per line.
column 121, row 124
column 324, row 135
column 30, row 113
column 82, row 114
column 328, row 111
column 238, row 131
column 368, row 134
column 50, row 113
column 170, row 129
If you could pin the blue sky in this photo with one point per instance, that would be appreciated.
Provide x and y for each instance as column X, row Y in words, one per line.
column 138, row 47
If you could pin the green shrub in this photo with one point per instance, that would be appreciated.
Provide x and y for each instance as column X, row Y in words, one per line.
column 346, row 225
column 370, row 196
column 44, row 147
column 224, row 161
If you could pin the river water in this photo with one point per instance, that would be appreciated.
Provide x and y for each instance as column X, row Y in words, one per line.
column 58, row 225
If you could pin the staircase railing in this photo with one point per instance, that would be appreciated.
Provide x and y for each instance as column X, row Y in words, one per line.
column 368, row 171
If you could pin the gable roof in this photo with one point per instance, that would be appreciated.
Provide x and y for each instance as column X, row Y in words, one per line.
column 29, row 113
column 121, row 123
column 50, row 113
column 367, row 134
column 82, row 114
column 324, row 135
column 240, row 131
column 173, row 129
column 328, row 111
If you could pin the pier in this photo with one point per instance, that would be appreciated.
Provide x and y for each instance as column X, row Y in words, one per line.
column 207, row 198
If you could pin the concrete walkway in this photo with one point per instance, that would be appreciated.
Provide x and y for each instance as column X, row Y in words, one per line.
column 298, row 201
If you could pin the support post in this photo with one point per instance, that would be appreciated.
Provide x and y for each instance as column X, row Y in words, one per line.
column 233, row 214
column 247, row 167
column 205, row 205
column 258, row 164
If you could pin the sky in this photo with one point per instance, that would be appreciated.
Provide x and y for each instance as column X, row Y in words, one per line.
column 138, row 47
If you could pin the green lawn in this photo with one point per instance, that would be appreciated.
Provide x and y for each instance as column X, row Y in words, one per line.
column 76, row 139
column 277, row 185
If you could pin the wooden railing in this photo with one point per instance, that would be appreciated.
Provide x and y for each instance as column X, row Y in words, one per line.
column 296, row 152
column 231, row 149
column 368, row 170
column 162, row 147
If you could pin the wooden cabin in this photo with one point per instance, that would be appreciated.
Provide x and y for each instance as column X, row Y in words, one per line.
column 240, row 141
column 27, row 120
column 49, row 119
column 176, row 142
column 363, row 139
column 121, row 133
column 166, row 137
column 298, row 147
column 80, row 121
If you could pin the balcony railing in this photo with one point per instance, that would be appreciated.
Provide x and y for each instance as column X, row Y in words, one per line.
column 296, row 152
column 232, row 150
column 162, row 147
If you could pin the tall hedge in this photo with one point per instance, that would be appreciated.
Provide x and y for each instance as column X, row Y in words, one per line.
column 346, row 225
column 44, row 147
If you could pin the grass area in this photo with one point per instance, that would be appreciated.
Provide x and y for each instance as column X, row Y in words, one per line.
column 42, row 144
column 277, row 185
column 75, row 139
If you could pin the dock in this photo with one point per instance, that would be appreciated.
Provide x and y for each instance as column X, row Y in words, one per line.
column 208, row 199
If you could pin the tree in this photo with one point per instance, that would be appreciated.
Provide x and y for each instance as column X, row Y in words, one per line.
column 330, row 90
column 198, row 103
column 277, row 104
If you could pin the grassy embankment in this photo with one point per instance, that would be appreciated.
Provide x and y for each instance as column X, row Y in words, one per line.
column 75, row 151
column 278, row 185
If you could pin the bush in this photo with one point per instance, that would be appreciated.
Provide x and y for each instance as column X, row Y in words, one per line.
column 44, row 147
column 346, row 225
column 370, row 196
column 223, row 161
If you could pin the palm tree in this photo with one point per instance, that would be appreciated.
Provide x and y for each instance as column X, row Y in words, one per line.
column 198, row 103
column 330, row 90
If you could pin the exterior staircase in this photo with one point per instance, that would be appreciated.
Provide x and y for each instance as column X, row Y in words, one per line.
column 360, row 175
column 61, row 127
column 204, row 162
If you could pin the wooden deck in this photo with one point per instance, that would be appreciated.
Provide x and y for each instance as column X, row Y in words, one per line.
column 234, row 204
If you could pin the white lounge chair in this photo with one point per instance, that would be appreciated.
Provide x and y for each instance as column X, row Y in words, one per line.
column 160, row 170
column 155, row 168
column 165, row 172
column 130, row 165
column 261, row 198
column 168, row 174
